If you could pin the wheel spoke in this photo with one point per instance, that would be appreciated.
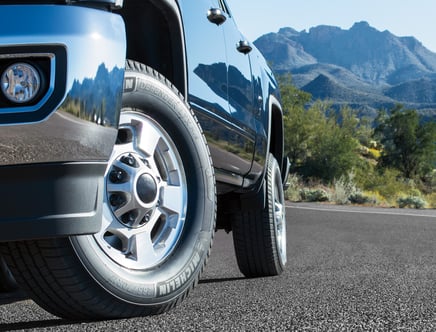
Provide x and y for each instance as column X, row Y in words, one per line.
column 172, row 199
column 125, row 184
column 139, row 218
column 130, row 206
column 148, row 227
column 278, row 207
column 141, row 248
column 129, row 170
column 125, row 187
column 148, row 141
column 280, row 225
column 115, row 235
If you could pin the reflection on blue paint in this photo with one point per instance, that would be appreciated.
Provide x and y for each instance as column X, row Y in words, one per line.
column 97, row 99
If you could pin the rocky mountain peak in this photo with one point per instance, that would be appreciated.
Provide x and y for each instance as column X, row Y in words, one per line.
column 369, row 60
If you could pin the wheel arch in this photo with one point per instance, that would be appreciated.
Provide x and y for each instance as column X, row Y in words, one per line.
column 276, row 132
column 154, row 32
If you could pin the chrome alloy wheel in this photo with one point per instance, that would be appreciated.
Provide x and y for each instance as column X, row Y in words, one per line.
column 280, row 218
column 145, row 197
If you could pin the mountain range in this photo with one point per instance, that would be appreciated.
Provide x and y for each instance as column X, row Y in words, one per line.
column 363, row 67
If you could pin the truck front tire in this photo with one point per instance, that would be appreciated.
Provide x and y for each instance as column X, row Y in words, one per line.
column 7, row 280
column 158, row 217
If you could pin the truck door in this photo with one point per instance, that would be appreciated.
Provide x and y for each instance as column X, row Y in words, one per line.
column 240, row 87
column 219, row 85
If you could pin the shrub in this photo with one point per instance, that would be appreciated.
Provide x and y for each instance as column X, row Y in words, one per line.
column 314, row 195
column 377, row 199
column 388, row 183
column 415, row 202
column 360, row 198
column 293, row 191
column 431, row 200
column 344, row 188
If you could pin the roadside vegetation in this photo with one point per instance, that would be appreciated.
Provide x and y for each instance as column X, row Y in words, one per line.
column 340, row 157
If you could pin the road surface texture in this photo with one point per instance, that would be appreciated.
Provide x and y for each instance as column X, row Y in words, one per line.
column 349, row 269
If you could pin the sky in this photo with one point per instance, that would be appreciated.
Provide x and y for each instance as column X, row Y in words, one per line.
column 401, row 17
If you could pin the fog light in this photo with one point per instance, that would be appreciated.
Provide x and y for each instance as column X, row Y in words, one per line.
column 20, row 82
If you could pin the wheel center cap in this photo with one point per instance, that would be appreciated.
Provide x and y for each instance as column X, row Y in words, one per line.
column 146, row 188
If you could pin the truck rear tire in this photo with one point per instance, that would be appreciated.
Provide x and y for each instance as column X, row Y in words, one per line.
column 159, row 215
column 259, row 231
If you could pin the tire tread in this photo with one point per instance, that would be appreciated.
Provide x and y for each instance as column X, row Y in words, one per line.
column 254, row 238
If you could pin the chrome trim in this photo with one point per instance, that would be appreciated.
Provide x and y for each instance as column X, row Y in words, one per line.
column 114, row 3
column 24, row 55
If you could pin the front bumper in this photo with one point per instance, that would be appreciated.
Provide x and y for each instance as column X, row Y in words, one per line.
column 77, row 119
column 53, row 153
column 50, row 200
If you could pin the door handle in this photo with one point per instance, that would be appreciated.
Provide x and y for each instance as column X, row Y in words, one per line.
column 216, row 15
column 244, row 47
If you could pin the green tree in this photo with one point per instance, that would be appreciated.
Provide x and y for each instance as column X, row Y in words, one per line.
column 333, row 149
column 296, row 121
column 319, row 141
column 358, row 127
column 409, row 145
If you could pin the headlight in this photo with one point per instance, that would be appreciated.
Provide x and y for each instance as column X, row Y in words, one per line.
column 20, row 82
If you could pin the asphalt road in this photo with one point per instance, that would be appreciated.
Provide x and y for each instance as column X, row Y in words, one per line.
column 348, row 269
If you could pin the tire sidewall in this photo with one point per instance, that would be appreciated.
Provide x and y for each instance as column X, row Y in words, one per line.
column 273, row 183
column 158, row 100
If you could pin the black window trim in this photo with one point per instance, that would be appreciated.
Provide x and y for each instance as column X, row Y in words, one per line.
column 225, row 7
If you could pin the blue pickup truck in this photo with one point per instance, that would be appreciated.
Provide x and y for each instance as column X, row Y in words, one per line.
column 129, row 133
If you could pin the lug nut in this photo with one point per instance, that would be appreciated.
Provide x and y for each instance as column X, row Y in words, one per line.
column 128, row 160
column 116, row 200
column 116, row 176
column 132, row 217
column 146, row 219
